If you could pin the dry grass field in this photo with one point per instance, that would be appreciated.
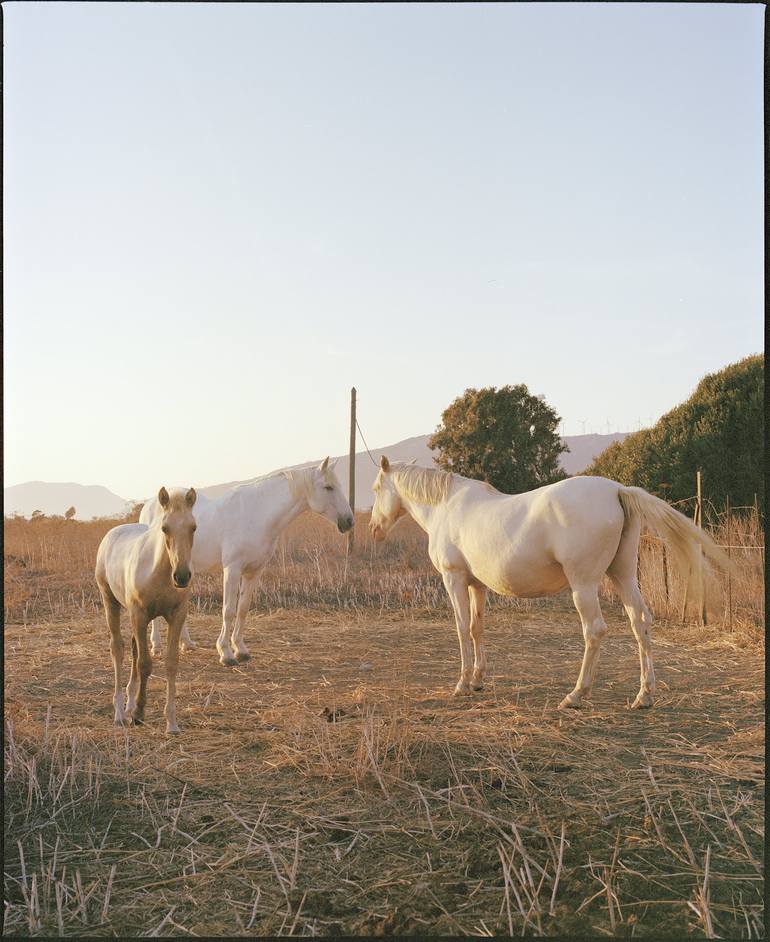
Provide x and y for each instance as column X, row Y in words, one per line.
column 331, row 785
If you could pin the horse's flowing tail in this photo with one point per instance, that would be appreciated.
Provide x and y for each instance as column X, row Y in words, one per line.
column 689, row 544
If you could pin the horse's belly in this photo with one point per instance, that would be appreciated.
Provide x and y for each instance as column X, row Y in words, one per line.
column 205, row 557
column 523, row 582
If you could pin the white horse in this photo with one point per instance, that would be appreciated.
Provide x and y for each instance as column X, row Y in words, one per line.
column 147, row 571
column 239, row 531
column 566, row 534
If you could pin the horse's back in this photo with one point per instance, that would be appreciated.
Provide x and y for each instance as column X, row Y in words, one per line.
column 522, row 544
column 579, row 519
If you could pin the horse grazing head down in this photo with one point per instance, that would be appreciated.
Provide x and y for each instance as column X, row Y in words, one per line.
column 325, row 497
column 178, row 526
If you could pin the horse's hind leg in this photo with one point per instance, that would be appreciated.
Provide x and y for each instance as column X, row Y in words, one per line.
column 478, row 596
column 141, row 668
column 586, row 599
column 112, row 614
column 186, row 641
column 156, row 646
column 623, row 574
column 145, row 669
column 155, row 642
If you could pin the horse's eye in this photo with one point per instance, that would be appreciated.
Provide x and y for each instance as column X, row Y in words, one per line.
column 164, row 528
column 328, row 487
column 195, row 527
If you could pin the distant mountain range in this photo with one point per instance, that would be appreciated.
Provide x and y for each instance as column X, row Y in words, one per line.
column 96, row 501
column 89, row 500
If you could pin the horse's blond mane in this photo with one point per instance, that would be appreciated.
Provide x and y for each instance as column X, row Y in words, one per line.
column 424, row 485
column 301, row 479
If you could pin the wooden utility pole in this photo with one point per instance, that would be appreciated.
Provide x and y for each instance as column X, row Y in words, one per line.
column 352, row 468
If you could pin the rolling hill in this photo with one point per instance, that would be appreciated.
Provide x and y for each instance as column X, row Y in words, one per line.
column 96, row 501
column 582, row 450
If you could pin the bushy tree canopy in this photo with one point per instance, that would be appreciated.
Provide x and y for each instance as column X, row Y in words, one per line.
column 505, row 437
column 717, row 430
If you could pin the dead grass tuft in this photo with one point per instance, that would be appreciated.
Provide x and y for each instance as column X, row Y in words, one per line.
column 332, row 786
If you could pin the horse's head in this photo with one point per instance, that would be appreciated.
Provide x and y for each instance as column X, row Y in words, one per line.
column 388, row 508
column 325, row 497
column 178, row 526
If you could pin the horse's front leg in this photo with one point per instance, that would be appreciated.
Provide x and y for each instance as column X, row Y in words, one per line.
column 478, row 597
column 175, row 627
column 230, row 591
column 247, row 588
column 456, row 584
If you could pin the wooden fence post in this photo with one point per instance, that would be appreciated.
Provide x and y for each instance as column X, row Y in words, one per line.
column 352, row 467
column 729, row 575
column 699, row 522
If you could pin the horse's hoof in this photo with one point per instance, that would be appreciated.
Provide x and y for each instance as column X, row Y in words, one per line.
column 189, row 645
column 122, row 721
column 477, row 685
column 172, row 730
column 228, row 661
column 569, row 704
column 243, row 656
column 461, row 690
column 156, row 652
column 642, row 702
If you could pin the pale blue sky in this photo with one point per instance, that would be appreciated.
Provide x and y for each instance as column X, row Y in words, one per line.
column 220, row 217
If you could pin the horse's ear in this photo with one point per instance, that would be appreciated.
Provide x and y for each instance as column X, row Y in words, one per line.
column 190, row 497
column 324, row 464
column 384, row 464
column 163, row 498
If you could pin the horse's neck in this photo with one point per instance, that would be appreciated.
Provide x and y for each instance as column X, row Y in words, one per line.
column 422, row 514
column 278, row 504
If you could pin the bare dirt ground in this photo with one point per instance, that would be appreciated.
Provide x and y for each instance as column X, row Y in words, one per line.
column 331, row 785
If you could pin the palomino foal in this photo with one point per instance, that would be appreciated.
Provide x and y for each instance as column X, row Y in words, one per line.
column 566, row 534
column 147, row 571
column 239, row 531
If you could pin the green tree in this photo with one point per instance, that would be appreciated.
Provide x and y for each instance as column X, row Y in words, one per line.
column 717, row 430
column 506, row 437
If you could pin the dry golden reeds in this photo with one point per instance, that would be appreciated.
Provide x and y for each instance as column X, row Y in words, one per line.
column 49, row 573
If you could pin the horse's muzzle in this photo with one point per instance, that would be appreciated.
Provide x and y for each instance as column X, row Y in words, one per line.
column 345, row 523
column 378, row 534
column 182, row 579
